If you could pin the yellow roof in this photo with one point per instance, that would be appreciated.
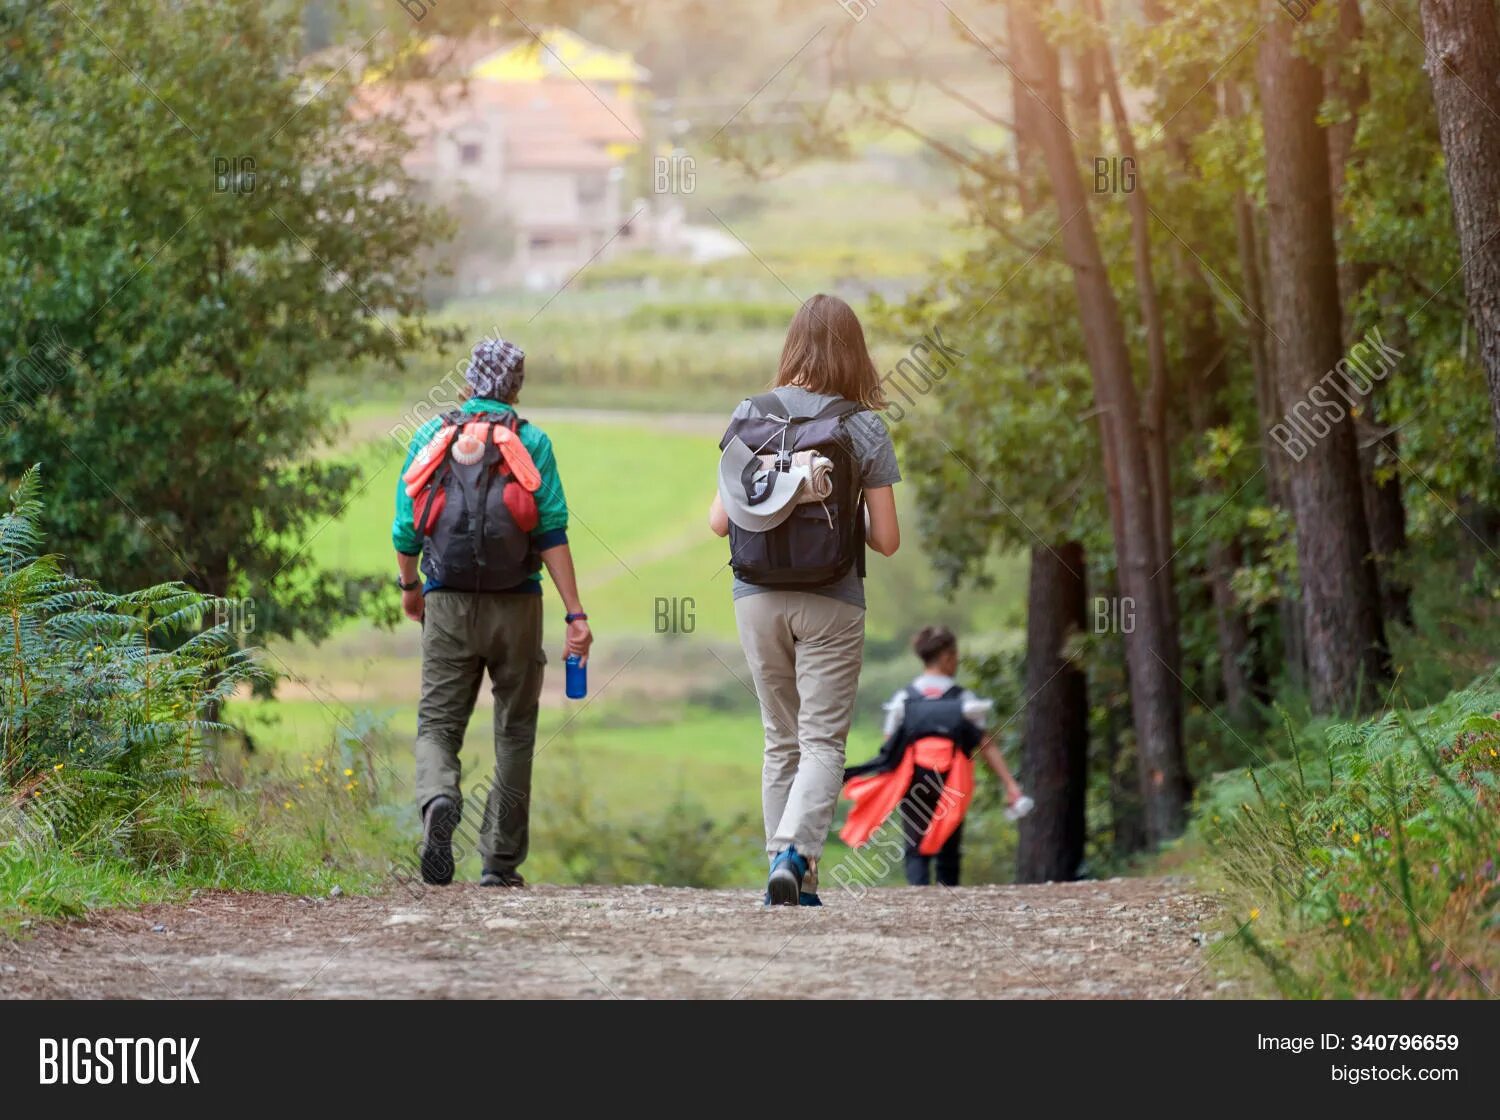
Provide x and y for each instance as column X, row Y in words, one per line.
column 559, row 52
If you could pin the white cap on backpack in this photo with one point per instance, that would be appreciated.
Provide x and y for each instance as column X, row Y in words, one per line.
column 755, row 497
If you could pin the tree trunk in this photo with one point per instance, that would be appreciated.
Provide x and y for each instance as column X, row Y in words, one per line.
column 1055, row 756
column 1384, row 510
column 1054, row 761
column 1351, row 91
column 1340, row 593
column 1086, row 89
column 1267, row 404
column 1154, row 690
column 1158, row 456
column 1385, row 507
column 1204, row 355
column 1463, row 63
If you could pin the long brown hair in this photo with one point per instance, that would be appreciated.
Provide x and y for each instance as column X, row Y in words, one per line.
column 825, row 352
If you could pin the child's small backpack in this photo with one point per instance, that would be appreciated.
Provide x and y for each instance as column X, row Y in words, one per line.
column 472, row 488
column 821, row 540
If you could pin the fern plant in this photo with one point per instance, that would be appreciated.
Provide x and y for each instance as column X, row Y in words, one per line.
column 102, row 694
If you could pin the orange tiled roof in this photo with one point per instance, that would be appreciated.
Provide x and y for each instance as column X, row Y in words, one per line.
column 555, row 123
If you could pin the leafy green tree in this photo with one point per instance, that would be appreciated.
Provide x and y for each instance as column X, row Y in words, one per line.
column 191, row 227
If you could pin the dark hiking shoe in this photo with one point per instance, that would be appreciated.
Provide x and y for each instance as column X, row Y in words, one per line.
column 807, row 898
column 784, row 887
column 439, row 819
column 510, row 879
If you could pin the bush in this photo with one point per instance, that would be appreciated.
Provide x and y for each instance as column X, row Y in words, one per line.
column 103, row 729
column 1365, row 864
column 680, row 844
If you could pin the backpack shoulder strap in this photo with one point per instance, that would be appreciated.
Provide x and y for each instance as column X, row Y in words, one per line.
column 767, row 403
column 839, row 408
column 954, row 692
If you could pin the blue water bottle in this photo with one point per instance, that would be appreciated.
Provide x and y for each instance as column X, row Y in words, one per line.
column 578, row 678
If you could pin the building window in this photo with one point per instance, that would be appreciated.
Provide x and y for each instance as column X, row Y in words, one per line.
column 469, row 154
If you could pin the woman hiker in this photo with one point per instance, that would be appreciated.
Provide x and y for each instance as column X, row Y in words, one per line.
column 805, row 486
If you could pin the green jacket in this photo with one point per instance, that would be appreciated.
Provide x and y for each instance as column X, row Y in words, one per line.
column 552, row 504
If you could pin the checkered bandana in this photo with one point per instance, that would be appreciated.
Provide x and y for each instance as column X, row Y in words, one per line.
column 496, row 370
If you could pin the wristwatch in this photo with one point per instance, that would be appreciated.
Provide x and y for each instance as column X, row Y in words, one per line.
column 412, row 586
column 578, row 616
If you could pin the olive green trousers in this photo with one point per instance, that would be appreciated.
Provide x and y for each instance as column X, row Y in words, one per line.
column 465, row 635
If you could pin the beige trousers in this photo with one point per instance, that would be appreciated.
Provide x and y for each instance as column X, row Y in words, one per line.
column 805, row 651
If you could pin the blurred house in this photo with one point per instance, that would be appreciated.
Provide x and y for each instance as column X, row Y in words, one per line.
column 530, row 145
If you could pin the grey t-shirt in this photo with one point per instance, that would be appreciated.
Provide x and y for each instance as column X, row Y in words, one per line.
column 877, row 459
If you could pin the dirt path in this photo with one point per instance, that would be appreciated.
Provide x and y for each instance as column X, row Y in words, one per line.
column 1129, row 938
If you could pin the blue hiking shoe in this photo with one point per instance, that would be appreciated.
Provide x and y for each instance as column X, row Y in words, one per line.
column 784, row 887
column 808, row 898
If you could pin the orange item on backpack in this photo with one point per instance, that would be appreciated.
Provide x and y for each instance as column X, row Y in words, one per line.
column 522, row 506
column 518, row 459
column 426, row 461
column 876, row 796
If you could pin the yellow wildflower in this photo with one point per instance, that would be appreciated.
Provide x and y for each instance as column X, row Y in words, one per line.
column 1254, row 913
column 1354, row 837
column 348, row 773
column 286, row 804
column 59, row 766
column 1346, row 920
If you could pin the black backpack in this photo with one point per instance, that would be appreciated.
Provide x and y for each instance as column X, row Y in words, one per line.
column 821, row 541
column 474, row 516
column 922, row 716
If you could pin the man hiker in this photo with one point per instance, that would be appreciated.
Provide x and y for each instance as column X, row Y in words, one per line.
column 481, row 503
column 925, row 769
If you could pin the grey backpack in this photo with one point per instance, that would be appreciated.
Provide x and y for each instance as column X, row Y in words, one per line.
column 821, row 541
